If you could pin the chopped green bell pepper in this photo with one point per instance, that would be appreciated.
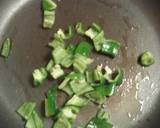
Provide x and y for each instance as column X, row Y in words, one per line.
column 6, row 48
column 71, row 48
column 110, row 47
column 77, row 101
column 89, row 76
column 48, row 5
column 26, row 109
column 83, row 48
column 101, row 114
column 146, row 59
column 98, row 40
column 97, row 95
column 50, row 65
column 80, row 87
column 98, row 123
column 64, row 86
column 80, row 29
column 34, row 121
column 39, row 75
column 67, row 61
column 93, row 31
column 59, row 54
column 81, row 63
column 68, row 35
column 109, row 89
column 116, row 77
column 62, row 122
column 98, row 75
column 48, row 19
column 50, row 102
column 57, row 43
column 56, row 71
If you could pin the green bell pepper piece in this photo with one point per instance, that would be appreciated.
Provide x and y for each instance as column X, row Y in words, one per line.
column 34, row 121
column 109, row 89
column 116, row 77
column 110, row 47
column 83, row 48
column 6, row 48
column 146, row 59
column 39, row 75
column 26, row 109
column 80, row 29
column 48, row 19
column 48, row 5
column 50, row 102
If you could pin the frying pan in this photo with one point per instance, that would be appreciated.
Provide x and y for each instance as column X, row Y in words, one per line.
column 135, row 23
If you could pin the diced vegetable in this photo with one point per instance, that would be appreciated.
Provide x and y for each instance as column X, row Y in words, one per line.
column 101, row 114
column 39, row 75
column 61, row 33
column 59, row 54
column 116, row 77
column 109, row 89
column 93, row 31
column 50, row 65
column 67, row 89
column 146, row 59
column 26, row 109
column 64, row 86
column 89, row 76
column 98, row 75
column 81, row 62
column 80, row 87
column 64, row 83
column 57, row 43
column 70, row 33
column 67, row 61
column 98, row 123
column 96, row 27
column 58, row 37
column 34, row 121
column 50, row 102
column 56, row 71
column 97, row 35
column 97, row 95
column 110, row 47
column 71, row 48
column 6, row 48
column 48, row 5
column 76, row 76
column 77, row 101
column 80, row 28
column 98, row 40
column 70, row 112
column 83, row 48
column 48, row 19
column 62, row 122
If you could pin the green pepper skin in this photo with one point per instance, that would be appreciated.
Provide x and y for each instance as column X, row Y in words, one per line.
column 84, row 48
column 110, row 47
column 146, row 59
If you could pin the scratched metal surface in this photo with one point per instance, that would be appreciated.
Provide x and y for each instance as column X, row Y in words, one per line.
column 135, row 23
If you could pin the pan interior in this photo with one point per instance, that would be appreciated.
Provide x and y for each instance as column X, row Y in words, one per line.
column 133, row 23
